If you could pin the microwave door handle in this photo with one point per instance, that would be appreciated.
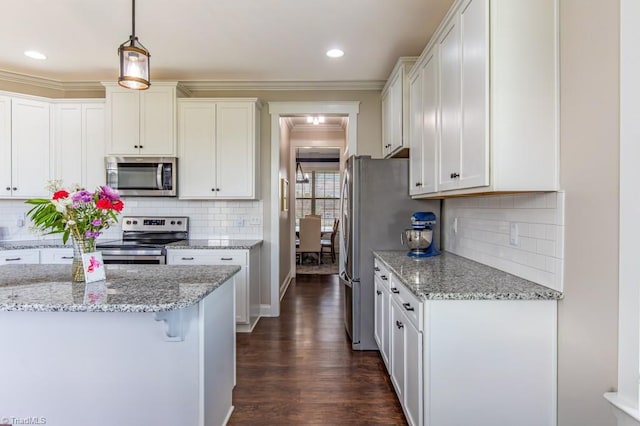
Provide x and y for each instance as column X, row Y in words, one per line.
column 159, row 177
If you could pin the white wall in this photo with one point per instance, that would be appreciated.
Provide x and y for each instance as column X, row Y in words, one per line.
column 483, row 233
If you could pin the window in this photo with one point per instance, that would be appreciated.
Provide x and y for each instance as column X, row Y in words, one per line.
column 320, row 196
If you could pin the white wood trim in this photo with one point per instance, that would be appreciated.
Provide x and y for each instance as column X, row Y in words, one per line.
column 276, row 110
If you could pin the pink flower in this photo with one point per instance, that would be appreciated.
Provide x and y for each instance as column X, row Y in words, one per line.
column 96, row 222
column 109, row 193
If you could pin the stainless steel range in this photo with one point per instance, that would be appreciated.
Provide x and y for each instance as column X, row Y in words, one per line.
column 144, row 239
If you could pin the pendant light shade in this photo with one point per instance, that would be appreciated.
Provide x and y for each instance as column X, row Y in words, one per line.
column 301, row 177
column 134, row 60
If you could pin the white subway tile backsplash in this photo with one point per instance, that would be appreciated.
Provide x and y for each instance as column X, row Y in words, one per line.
column 484, row 225
column 207, row 219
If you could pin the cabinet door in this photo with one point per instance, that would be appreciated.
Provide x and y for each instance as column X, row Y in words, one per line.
column 5, row 146
column 235, row 150
column 157, row 118
column 397, row 333
column 30, row 148
column 196, row 167
column 386, row 123
column 378, row 314
column 415, row 134
column 430, row 125
column 93, row 136
column 474, row 149
column 413, row 404
column 123, row 118
column 449, row 49
column 56, row 256
column 68, row 143
column 396, row 100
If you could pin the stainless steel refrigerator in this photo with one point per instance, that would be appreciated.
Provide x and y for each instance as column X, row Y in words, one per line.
column 375, row 208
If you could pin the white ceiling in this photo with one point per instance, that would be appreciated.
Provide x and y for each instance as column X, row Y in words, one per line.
column 218, row 40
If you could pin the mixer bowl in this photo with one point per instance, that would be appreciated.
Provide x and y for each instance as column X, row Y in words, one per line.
column 417, row 239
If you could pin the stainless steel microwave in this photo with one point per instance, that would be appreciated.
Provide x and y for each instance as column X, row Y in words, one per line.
column 142, row 176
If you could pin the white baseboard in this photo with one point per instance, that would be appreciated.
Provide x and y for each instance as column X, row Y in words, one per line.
column 265, row 310
column 285, row 286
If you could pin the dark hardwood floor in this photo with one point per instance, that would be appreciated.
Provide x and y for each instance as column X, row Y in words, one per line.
column 299, row 368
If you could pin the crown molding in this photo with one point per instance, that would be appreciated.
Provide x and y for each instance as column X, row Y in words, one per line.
column 188, row 87
column 282, row 85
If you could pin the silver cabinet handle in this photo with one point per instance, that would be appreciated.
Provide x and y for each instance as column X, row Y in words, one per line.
column 187, row 258
column 13, row 259
column 399, row 324
column 66, row 257
column 383, row 277
column 378, row 292
column 226, row 258
column 408, row 306
column 395, row 290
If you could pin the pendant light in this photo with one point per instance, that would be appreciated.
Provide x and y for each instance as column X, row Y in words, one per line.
column 134, row 59
column 301, row 177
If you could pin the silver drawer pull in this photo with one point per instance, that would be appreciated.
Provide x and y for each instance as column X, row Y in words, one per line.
column 66, row 257
column 407, row 306
column 226, row 258
column 395, row 290
column 13, row 259
column 187, row 258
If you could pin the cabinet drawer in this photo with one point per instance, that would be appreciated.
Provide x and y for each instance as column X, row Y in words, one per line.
column 381, row 272
column 411, row 305
column 56, row 256
column 207, row 257
column 12, row 257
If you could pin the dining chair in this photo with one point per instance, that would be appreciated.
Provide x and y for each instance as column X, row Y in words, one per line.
column 309, row 237
column 331, row 242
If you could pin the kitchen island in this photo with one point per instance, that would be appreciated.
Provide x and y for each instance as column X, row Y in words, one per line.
column 153, row 344
column 465, row 343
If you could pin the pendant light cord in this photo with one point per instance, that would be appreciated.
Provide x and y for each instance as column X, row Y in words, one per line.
column 133, row 18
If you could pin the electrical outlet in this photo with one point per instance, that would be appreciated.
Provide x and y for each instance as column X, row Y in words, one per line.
column 20, row 218
column 514, row 234
column 255, row 220
column 239, row 221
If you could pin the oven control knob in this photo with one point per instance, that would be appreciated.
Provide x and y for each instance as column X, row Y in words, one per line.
column 173, row 222
column 135, row 222
column 179, row 222
column 128, row 222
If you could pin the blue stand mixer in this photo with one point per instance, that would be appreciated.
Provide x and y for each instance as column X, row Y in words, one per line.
column 419, row 237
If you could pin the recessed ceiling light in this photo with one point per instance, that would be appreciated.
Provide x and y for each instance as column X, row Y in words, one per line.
column 35, row 55
column 335, row 53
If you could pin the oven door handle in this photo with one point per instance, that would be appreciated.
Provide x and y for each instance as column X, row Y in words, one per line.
column 159, row 176
column 115, row 259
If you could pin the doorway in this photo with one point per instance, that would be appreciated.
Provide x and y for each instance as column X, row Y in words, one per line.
column 281, row 231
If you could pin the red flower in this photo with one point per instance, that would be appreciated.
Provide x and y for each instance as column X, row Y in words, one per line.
column 60, row 194
column 117, row 205
column 104, row 204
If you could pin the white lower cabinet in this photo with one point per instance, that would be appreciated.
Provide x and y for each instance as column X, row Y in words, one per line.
column 247, row 280
column 468, row 362
column 22, row 256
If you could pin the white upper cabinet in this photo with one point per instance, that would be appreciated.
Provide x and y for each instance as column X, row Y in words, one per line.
column 25, row 147
column 423, row 127
column 141, row 122
column 395, row 109
column 219, row 148
column 496, row 118
column 79, row 142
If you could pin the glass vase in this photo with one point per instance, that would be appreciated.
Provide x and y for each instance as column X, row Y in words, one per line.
column 80, row 246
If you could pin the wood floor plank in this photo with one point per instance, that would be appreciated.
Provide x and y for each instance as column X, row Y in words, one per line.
column 299, row 368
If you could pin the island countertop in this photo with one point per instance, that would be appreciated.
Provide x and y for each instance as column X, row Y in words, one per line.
column 452, row 277
column 128, row 288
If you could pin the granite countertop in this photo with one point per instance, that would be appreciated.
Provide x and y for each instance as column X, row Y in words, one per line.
column 128, row 288
column 34, row 244
column 451, row 277
column 215, row 244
